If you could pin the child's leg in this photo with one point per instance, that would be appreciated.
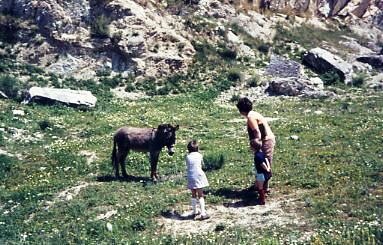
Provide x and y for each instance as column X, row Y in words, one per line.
column 259, row 184
column 201, row 201
column 194, row 201
column 260, row 181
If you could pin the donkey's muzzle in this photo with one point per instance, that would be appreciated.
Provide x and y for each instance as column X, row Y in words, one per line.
column 171, row 150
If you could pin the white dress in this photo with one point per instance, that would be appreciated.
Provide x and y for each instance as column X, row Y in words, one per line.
column 196, row 177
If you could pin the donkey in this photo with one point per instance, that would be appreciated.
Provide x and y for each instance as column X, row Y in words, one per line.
column 150, row 140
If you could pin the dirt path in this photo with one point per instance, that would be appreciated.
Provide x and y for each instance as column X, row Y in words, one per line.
column 280, row 211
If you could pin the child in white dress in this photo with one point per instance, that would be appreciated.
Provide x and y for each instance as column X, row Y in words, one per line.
column 196, row 179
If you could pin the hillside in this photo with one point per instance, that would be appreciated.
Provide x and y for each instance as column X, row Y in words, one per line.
column 73, row 72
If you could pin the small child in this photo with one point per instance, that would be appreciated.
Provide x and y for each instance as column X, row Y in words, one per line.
column 262, row 167
column 196, row 179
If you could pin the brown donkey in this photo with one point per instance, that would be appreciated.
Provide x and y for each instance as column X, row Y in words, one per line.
column 150, row 140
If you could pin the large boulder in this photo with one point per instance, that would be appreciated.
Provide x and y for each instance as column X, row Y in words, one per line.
column 323, row 61
column 66, row 96
column 375, row 61
column 282, row 67
column 293, row 86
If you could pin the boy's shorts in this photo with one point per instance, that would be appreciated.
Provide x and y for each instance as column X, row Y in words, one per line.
column 260, row 177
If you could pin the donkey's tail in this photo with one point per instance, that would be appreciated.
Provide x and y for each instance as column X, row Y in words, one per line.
column 114, row 153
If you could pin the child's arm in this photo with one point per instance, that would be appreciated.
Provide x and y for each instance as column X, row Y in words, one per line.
column 268, row 164
column 265, row 166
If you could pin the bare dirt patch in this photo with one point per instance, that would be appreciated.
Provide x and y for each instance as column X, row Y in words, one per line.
column 279, row 211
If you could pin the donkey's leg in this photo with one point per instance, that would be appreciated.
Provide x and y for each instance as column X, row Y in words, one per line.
column 121, row 160
column 154, row 155
column 123, row 164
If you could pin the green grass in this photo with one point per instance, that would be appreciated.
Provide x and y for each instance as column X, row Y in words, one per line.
column 336, row 163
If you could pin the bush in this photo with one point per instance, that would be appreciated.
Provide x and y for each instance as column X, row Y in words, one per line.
column 44, row 124
column 358, row 79
column 100, row 27
column 235, row 98
column 220, row 227
column 10, row 86
column 254, row 81
column 139, row 225
column 213, row 161
column 227, row 53
column 234, row 75
column 263, row 48
column 6, row 163
column 2, row 142
column 331, row 78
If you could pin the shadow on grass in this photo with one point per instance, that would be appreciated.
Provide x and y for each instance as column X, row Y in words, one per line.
column 172, row 214
column 129, row 178
column 248, row 197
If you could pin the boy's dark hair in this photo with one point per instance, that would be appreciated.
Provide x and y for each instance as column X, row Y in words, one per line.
column 244, row 105
column 193, row 146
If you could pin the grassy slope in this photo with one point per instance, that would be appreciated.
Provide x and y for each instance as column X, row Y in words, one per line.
column 337, row 161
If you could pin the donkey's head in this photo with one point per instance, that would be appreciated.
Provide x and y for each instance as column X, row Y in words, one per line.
column 166, row 134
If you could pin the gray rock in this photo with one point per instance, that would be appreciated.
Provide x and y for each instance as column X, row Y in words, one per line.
column 375, row 61
column 293, row 86
column 376, row 82
column 323, row 61
column 282, row 67
column 65, row 96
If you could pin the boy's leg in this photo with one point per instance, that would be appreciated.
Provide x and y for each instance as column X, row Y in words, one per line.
column 261, row 191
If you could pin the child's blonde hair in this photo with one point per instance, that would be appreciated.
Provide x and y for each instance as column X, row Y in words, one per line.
column 193, row 146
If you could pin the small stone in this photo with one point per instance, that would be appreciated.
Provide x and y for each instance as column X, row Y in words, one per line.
column 318, row 112
column 109, row 227
column 294, row 137
column 18, row 112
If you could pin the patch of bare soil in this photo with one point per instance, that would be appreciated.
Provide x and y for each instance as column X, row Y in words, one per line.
column 279, row 211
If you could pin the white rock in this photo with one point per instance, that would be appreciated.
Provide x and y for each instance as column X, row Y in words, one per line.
column 231, row 37
column 109, row 227
column 66, row 96
column 318, row 112
column 294, row 137
column 18, row 112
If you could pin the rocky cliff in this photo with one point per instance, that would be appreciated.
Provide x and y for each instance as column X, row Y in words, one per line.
column 153, row 38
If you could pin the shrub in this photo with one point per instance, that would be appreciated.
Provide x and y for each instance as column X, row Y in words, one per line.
column 331, row 78
column 263, row 48
column 358, row 79
column 100, row 27
column 254, row 81
column 220, row 227
column 213, row 161
column 234, row 75
column 235, row 98
column 10, row 86
column 139, row 225
column 6, row 163
column 44, row 124
column 2, row 143
column 227, row 53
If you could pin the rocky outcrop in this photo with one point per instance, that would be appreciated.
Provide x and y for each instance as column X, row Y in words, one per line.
column 66, row 96
column 293, row 86
column 375, row 61
column 80, row 37
column 282, row 67
column 323, row 61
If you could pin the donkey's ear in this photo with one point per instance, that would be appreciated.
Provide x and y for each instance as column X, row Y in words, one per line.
column 177, row 127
